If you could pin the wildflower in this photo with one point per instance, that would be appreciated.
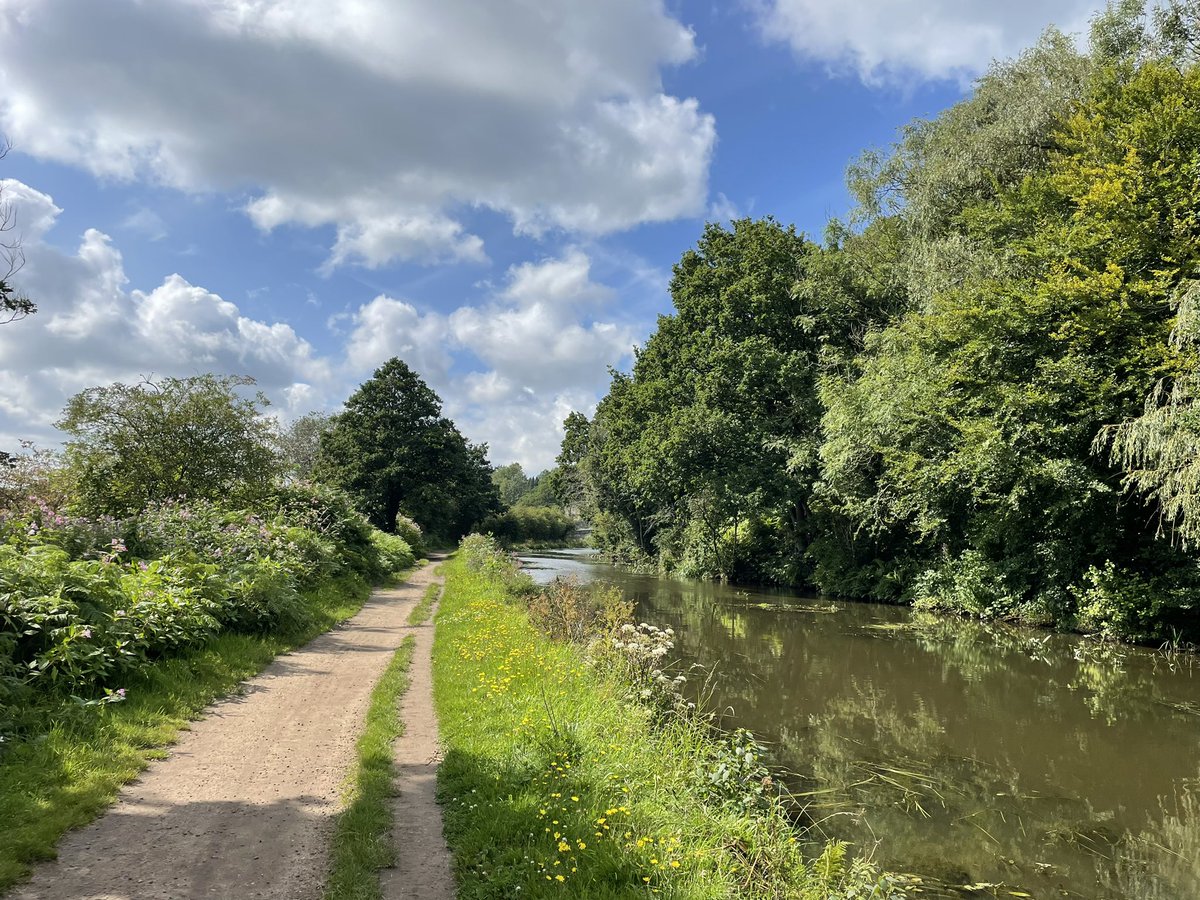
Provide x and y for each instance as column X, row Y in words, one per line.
column 86, row 633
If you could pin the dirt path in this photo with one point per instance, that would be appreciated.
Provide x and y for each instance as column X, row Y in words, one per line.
column 422, row 869
column 244, row 806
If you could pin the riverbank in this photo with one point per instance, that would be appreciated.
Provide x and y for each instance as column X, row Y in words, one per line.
column 558, row 781
column 910, row 732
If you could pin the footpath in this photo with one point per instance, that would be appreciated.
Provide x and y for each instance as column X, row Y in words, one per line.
column 245, row 804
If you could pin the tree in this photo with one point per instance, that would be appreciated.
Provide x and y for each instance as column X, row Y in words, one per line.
column 512, row 483
column 13, row 304
column 300, row 443
column 1159, row 450
column 393, row 451
column 156, row 440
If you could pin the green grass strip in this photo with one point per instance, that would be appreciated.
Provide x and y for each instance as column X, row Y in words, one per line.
column 420, row 612
column 555, row 784
column 72, row 772
column 362, row 843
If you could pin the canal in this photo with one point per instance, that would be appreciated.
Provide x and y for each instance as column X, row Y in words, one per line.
column 988, row 760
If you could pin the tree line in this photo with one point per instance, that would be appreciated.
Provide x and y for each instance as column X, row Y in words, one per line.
column 208, row 437
column 976, row 393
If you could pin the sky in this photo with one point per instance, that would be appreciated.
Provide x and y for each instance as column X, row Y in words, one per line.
column 299, row 190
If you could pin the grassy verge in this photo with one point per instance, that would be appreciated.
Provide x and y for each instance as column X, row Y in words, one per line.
column 420, row 612
column 556, row 783
column 362, row 843
column 72, row 772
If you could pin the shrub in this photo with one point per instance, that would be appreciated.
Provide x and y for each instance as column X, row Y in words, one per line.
column 392, row 553
column 410, row 532
column 529, row 523
column 567, row 611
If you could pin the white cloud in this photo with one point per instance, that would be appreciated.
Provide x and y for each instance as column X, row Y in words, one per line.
column 538, row 333
column 387, row 327
column 91, row 330
column 509, row 371
column 902, row 40
column 381, row 118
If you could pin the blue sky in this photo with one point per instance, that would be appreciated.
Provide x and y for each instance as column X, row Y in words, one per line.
column 298, row 190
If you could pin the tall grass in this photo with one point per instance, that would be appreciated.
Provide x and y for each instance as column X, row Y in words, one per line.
column 557, row 782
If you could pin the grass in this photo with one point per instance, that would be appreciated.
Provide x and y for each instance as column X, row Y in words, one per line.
column 556, row 784
column 362, row 843
column 420, row 612
column 72, row 771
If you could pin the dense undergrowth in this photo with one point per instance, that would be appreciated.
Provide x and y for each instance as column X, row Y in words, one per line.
column 574, row 768
column 114, row 632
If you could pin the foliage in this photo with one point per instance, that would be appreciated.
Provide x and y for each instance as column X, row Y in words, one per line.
column 942, row 402
column 410, row 532
column 529, row 523
column 567, row 611
column 1160, row 449
column 512, row 483
column 300, row 443
column 156, row 440
column 393, row 452
column 86, row 603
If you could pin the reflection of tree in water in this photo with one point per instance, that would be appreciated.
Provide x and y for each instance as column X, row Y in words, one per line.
column 964, row 751
column 877, row 776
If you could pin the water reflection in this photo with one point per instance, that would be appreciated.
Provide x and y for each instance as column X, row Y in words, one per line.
column 970, row 753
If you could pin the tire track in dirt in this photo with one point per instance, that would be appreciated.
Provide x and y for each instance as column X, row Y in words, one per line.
column 422, row 870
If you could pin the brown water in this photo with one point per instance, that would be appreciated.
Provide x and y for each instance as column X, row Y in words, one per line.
column 991, row 761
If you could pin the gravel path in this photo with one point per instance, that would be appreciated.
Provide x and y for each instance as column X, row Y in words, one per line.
column 244, row 806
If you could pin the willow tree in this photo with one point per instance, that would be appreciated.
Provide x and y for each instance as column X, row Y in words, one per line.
column 1160, row 449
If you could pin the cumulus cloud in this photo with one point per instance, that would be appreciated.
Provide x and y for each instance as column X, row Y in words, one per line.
column 388, row 327
column 899, row 40
column 536, row 349
column 380, row 118
column 509, row 370
column 92, row 330
column 539, row 332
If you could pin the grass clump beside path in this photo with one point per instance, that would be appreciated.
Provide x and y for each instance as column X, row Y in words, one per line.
column 558, row 782
column 362, row 843
column 420, row 612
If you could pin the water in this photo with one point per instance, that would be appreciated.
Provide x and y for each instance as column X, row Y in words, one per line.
column 986, row 759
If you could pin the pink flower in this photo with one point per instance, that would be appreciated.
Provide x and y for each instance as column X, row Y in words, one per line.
column 86, row 633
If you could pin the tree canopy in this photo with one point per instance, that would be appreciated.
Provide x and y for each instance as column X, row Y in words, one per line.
column 393, row 451
column 200, row 437
column 946, row 402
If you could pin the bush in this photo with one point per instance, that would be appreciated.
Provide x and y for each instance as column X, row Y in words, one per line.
column 410, row 532
column 567, row 611
column 84, row 602
column 392, row 553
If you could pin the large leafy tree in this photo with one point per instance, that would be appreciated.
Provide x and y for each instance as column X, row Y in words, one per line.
column 704, row 456
column 512, row 483
column 196, row 437
column 394, row 452
column 960, row 449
